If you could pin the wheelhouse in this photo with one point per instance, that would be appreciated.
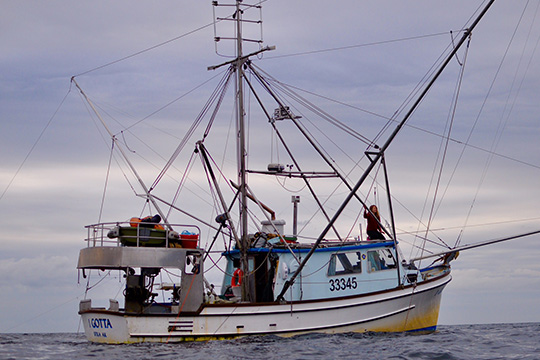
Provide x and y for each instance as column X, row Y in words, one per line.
column 335, row 270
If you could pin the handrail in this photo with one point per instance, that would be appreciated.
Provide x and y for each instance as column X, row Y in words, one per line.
column 113, row 233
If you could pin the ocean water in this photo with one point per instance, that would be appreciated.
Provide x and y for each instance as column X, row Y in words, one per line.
column 499, row 341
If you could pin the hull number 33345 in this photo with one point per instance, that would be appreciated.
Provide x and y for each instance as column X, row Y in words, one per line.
column 343, row 283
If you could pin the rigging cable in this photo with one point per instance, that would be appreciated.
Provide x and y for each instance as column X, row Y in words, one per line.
column 443, row 148
column 145, row 50
column 453, row 140
column 355, row 46
column 413, row 127
column 106, row 182
column 306, row 132
column 35, row 144
column 220, row 88
column 141, row 140
column 497, row 138
column 105, row 140
column 181, row 183
column 153, row 113
column 287, row 90
column 172, row 102
column 215, row 208
column 222, row 92
column 280, row 103
column 413, row 94
column 268, row 86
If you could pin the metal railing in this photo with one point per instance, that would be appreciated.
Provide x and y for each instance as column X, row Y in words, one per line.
column 143, row 234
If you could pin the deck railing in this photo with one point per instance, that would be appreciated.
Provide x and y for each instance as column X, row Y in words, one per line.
column 142, row 235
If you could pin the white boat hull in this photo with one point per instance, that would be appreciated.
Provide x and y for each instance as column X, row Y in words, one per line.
column 408, row 309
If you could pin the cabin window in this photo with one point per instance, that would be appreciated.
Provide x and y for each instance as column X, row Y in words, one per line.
column 381, row 259
column 345, row 263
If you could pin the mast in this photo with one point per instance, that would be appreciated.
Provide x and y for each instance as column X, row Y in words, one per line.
column 377, row 156
column 238, row 63
column 241, row 149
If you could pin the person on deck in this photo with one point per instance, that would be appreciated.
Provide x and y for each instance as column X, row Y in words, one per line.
column 374, row 230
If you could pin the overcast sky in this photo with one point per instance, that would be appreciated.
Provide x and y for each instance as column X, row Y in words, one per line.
column 55, row 154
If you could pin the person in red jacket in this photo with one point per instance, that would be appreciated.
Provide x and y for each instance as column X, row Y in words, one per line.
column 374, row 230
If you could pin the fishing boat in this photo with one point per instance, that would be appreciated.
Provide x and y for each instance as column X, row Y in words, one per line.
column 274, row 282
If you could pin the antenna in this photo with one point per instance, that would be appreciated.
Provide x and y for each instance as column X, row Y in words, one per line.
column 226, row 37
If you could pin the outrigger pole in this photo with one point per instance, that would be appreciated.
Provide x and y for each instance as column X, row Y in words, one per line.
column 149, row 196
column 472, row 246
column 379, row 154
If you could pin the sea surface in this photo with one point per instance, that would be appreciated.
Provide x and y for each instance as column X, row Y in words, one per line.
column 499, row 341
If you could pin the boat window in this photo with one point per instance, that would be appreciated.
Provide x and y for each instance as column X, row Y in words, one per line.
column 380, row 259
column 345, row 263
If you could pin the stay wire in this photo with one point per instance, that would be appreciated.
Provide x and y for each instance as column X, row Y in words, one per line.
column 146, row 50
column 429, row 132
column 181, row 183
column 429, row 73
column 172, row 102
column 34, row 145
column 251, row 214
column 152, row 163
column 339, row 48
column 425, row 78
column 316, row 111
column 495, row 142
column 106, row 183
column 222, row 92
column 105, row 141
column 415, row 91
column 269, row 87
column 321, row 114
column 287, row 90
column 219, row 89
column 443, row 149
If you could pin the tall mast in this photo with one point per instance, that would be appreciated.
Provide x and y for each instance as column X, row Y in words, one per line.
column 241, row 146
column 238, row 63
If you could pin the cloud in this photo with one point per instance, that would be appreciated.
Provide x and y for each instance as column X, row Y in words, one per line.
column 36, row 273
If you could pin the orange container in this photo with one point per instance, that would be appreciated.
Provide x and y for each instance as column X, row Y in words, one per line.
column 189, row 241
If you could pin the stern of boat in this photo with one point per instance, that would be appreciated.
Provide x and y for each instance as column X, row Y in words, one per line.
column 101, row 325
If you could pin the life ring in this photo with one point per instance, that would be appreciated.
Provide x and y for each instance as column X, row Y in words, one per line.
column 237, row 278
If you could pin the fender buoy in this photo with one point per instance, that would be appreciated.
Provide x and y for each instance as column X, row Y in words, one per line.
column 237, row 278
column 134, row 221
